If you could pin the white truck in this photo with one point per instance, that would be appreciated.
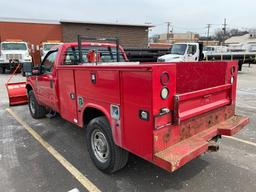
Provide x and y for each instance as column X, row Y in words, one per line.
column 46, row 46
column 181, row 52
column 13, row 52
column 187, row 52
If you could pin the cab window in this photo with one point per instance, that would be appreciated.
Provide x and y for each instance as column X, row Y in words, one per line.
column 192, row 49
column 48, row 62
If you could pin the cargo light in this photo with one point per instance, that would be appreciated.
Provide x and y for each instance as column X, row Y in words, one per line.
column 233, row 69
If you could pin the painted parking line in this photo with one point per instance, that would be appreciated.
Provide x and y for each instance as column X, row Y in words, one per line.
column 67, row 165
column 241, row 140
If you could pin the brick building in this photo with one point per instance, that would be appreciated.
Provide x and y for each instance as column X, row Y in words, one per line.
column 129, row 35
column 36, row 31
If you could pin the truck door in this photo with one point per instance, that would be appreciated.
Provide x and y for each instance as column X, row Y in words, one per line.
column 192, row 53
column 45, row 82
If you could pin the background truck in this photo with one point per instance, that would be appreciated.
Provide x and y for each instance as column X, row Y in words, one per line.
column 164, row 113
column 145, row 54
column 182, row 52
column 46, row 46
column 13, row 52
column 215, row 49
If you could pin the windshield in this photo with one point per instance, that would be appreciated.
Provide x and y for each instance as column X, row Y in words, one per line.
column 179, row 49
column 47, row 47
column 14, row 46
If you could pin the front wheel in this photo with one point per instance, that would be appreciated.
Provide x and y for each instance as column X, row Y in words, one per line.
column 37, row 111
column 106, row 156
column 2, row 70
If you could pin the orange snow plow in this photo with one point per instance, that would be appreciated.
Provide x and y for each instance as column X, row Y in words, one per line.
column 16, row 91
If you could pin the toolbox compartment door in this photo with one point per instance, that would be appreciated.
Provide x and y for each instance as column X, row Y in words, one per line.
column 67, row 95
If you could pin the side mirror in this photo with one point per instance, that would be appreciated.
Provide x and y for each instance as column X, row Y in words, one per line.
column 27, row 69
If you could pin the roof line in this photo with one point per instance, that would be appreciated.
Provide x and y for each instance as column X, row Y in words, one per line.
column 25, row 20
column 106, row 23
column 45, row 21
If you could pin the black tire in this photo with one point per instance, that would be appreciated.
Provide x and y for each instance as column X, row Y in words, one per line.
column 37, row 111
column 240, row 64
column 116, row 158
column 2, row 70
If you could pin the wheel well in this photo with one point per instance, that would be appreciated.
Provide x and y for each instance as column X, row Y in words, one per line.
column 91, row 113
column 29, row 88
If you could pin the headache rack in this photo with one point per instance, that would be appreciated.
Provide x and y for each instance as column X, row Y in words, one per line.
column 80, row 38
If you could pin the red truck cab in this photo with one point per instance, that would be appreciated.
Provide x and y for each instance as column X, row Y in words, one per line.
column 167, row 113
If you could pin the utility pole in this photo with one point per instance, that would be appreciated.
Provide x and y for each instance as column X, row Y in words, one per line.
column 168, row 31
column 224, row 30
column 208, row 32
column 225, row 27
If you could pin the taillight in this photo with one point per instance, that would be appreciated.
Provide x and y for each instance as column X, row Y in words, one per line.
column 232, row 71
column 164, row 78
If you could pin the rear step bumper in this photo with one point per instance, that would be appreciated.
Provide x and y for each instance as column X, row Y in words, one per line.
column 179, row 154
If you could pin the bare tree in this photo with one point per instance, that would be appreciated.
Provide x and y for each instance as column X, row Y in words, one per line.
column 220, row 36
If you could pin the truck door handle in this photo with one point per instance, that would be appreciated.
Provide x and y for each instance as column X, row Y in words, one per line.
column 72, row 96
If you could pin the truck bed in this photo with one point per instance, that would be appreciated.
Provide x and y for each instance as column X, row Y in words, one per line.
column 200, row 105
column 204, row 107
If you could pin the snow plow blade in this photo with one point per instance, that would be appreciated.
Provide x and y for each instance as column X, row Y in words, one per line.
column 17, row 93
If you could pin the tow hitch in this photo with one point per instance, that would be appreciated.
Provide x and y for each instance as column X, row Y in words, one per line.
column 213, row 145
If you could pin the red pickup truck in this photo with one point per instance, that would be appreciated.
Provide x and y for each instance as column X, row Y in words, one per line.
column 166, row 113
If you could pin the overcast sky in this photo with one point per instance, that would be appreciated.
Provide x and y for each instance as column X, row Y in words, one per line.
column 185, row 15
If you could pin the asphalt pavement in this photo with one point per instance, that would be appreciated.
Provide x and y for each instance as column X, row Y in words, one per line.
column 27, row 165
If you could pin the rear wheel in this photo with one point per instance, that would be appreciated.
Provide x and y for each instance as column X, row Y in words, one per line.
column 240, row 64
column 106, row 156
column 37, row 111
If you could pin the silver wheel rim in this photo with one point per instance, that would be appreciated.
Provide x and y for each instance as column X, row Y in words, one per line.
column 32, row 105
column 100, row 146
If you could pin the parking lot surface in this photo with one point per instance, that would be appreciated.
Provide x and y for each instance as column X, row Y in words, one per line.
column 26, row 165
